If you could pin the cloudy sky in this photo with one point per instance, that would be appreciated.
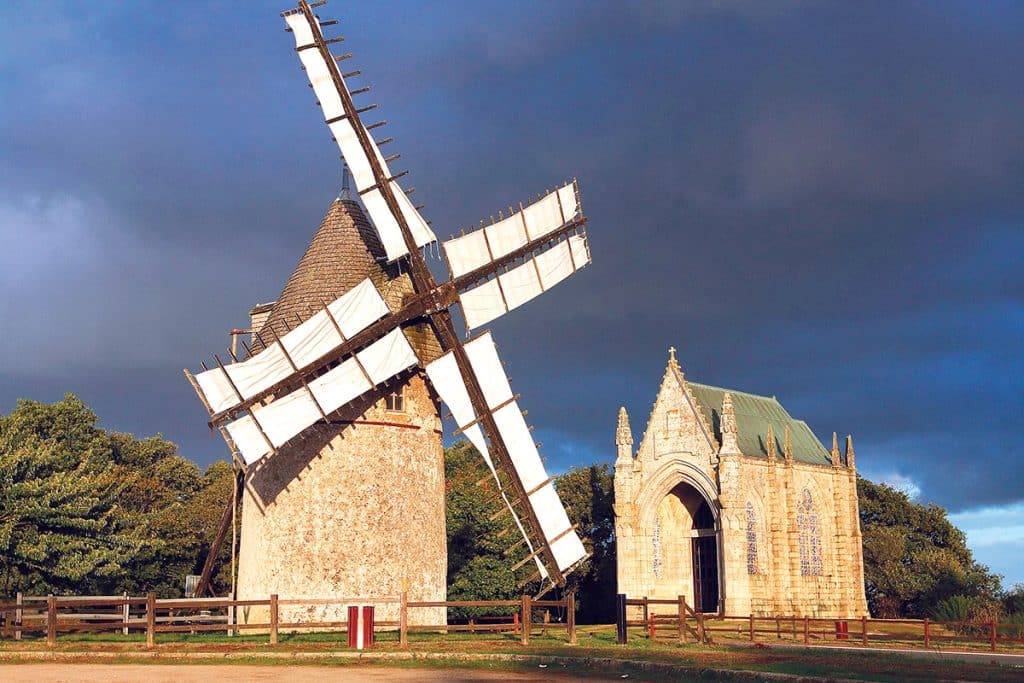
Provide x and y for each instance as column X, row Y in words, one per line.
column 819, row 201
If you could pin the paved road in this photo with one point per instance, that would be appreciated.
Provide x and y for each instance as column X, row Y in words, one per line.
column 231, row 673
column 1015, row 660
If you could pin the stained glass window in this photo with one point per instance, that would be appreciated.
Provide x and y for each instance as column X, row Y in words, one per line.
column 751, row 540
column 656, row 548
column 810, row 536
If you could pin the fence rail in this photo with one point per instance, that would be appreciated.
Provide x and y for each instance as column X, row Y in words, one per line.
column 683, row 621
column 63, row 614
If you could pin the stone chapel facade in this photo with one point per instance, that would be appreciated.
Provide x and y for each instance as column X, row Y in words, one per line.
column 735, row 505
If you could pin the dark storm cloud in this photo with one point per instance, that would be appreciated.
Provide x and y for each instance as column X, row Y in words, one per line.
column 814, row 200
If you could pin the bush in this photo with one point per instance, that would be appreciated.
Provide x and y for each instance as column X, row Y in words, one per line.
column 967, row 614
column 1014, row 626
column 958, row 611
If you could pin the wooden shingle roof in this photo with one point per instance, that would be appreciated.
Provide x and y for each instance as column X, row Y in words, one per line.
column 344, row 251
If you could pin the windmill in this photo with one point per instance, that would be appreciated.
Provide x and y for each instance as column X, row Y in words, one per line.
column 356, row 344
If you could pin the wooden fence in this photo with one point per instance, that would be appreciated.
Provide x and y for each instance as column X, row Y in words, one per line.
column 53, row 615
column 675, row 620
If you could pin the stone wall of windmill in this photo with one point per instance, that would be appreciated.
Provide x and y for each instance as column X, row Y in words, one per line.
column 788, row 534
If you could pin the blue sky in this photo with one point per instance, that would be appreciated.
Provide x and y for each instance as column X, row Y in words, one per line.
column 819, row 201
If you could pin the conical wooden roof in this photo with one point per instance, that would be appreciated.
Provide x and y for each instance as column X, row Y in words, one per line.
column 344, row 251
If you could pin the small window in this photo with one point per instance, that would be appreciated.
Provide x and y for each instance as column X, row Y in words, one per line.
column 395, row 401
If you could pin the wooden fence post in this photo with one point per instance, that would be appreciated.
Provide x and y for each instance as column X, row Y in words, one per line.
column 570, row 617
column 992, row 633
column 403, row 620
column 751, row 627
column 927, row 635
column 700, row 627
column 864, row 630
column 151, row 619
column 274, row 614
column 620, row 618
column 526, row 620
column 646, row 609
column 125, row 614
column 19, row 615
column 807, row 631
column 51, row 621
column 778, row 628
column 682, row 619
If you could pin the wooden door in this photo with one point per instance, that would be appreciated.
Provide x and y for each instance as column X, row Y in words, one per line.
column 705, row 574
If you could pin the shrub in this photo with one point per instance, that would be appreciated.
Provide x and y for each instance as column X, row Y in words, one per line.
column 958, row 611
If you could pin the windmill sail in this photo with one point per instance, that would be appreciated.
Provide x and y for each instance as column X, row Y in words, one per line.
column 541, row 496
column 347, row 128
column 515, row 287
column 268, row 427
column 349, row 314
column 351, row 347
column 480, row 247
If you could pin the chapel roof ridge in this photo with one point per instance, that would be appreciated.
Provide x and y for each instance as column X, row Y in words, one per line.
column 735, row 392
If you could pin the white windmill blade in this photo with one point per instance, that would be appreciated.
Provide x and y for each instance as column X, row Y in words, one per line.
column 556, row 529
column 347, row 128
column 224, row 388
column 479, row 247
column 268, row 427
column 518, row 285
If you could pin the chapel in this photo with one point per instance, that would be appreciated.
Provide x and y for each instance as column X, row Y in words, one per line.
column 735, row 505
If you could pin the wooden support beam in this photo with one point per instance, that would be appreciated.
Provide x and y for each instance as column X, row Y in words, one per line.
column 225, row 522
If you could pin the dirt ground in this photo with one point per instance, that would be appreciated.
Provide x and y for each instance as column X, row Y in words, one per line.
column 199, row 673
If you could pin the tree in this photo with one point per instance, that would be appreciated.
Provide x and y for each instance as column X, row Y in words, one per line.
column 477, row 566
column 87, row 511
column 588, row 494
column 914, row 558
column 61, row 527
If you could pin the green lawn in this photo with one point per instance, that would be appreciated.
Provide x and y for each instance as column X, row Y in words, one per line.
column 596, row 654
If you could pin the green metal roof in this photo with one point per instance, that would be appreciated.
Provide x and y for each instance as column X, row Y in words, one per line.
column 753, row 415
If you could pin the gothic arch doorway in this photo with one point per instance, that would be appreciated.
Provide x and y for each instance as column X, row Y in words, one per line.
column 685, row 548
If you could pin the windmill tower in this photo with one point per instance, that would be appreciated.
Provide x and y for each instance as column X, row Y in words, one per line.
column 343, row 495
column 312, row 514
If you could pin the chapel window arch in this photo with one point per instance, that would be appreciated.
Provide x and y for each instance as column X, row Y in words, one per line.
column 810, row 536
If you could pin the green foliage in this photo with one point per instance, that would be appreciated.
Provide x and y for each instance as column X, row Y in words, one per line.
column 478, row 569
column 914, row 558
column 589, row 495
column 1013, row 600
column 1012, row 625
column 956, row 608
column 91, row 512
column 969, row 613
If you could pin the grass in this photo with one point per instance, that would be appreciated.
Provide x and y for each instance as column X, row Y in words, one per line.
column 596, row 654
